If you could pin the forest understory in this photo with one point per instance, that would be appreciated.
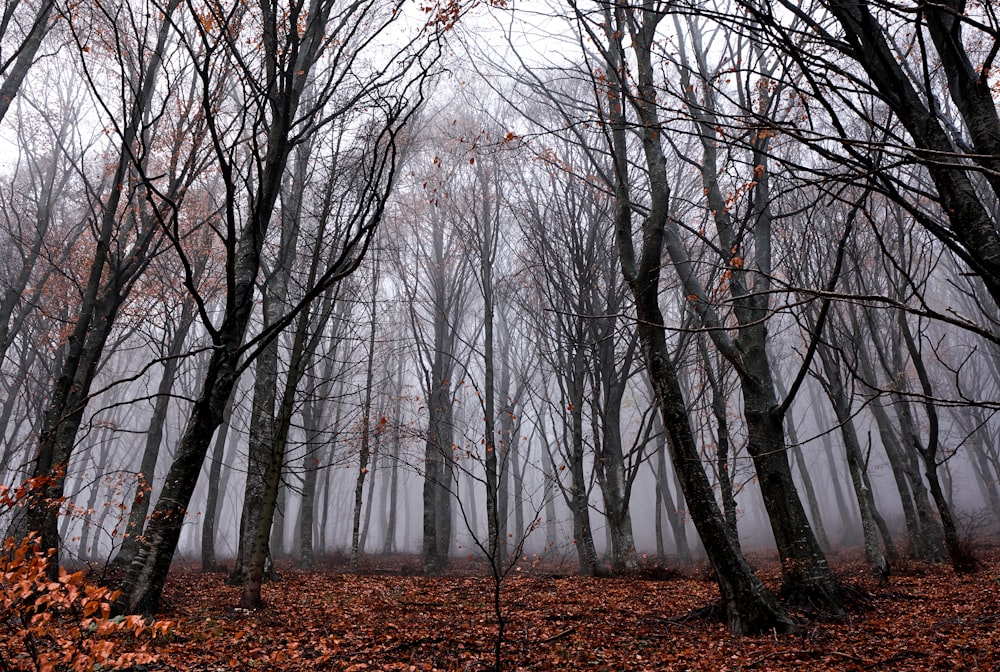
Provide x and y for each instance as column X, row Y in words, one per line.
column 387, row 618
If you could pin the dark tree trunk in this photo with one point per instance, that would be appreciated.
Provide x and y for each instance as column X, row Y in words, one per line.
column 26, row 52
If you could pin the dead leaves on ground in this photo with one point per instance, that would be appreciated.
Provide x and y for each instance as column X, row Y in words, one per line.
column 927, row 618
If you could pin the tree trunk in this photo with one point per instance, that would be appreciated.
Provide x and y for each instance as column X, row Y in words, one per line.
column 834, row 386
column 579, row 498
column 961, row 557
column 389, row 538
column 26, row 52
column 720, row 412
column 548, row 491
column 364, row 452
column 807, row 484
column 143, row 584
column 213, row 503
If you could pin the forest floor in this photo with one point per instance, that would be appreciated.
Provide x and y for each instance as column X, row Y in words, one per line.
column 926, row 618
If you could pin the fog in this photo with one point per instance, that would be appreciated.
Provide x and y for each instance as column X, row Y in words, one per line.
column 577, row 287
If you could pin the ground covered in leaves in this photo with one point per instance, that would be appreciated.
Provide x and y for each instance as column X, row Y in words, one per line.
column 927, row 618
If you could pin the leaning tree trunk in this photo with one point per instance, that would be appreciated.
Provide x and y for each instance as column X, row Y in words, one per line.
column 961, row 557
column 677, row 521
column 894, row 453
column 26, row 52
column 749, row 607
column 834, row 386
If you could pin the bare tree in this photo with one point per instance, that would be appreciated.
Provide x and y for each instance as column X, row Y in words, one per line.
column 749, row 606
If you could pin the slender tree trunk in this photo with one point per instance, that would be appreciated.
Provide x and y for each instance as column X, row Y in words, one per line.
column 834, row 386
column 894, row 453
column 673, row 509
column 364, row 452
column 961, row 557
column 389, row 539
column 720, row 412
column 847, row 516
column 548, row 492
column 490, row 458
column 213, row 503
column 366, row 523
column 88, row 548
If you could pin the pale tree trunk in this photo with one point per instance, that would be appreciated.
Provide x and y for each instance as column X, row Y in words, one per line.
column 313, row 408
column 847, row 515
column 517, row 478
column 51, row 184
column 617, row 492
column 548, row 489
column 257, row 567
column 504, row 427
column 389, row 542
column 364, row 450
column 393, row 456
column 834, row 386
column 987, row 474
column 88, row 549
column 436, row 496
column 213, row 502
column 677, row 521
